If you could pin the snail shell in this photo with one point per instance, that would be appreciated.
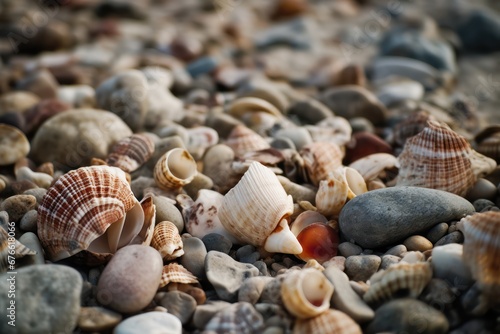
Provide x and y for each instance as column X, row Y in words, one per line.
column 175, row 169
column 320, row 158
column 131, row 152
column 167, row 241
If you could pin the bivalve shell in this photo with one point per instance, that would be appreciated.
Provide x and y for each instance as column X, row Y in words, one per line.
column 130, row 153
column 6, row 250
column 320, row 158
column 175, row 169
column 167, row 241
column 328, row 322
column 176, row 273
column 244, row 140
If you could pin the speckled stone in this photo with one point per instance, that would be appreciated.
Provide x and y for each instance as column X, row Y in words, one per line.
column 204, row 313
column 437, row 232
column 217, row 242
column 388, row 260
column 179, row 304
column 397, row 250
column 17, row 205
column 252, row 288
column 362, row 267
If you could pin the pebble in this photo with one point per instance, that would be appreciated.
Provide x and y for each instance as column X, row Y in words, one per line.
column 47, row 299
column 397, row 250
column 336, row 261
column 481, row 204
column 227, row 275
column 447, row 263
column 439, row 294
column 293, row 33
column 194, row 256
column 30, row 240
column 408, row 316
column 437, row 232
column 204, row 313
column 480, row 31
column 244, row 251
column 17, row 206
column 4, row 220
column 217, row 242
column 385, row 216
column 41, row 82
column 129, row 281
column 345, row 299
column 388, row 260
column 28, row 222
column 455, row 237
column 362, row 267
column 417, row 243
column 482, row 189
column 151, row 323
column 240, row 317
column 179, row 304
column 252, row 288
column 262, row 266
column 97, row 319
column 272, row 291
column 13, row 145
column 37, row 192
column 167, row 211
column 347, row 249
column 310, row 111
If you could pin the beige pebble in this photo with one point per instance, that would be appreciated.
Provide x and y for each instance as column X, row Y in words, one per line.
column 17, row 205
column 93, row 319
column 417, row 243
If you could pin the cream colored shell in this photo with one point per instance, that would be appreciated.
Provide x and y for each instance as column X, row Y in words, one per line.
column 320, row 158
column 176, row 273
column 167, row 241
column 244, row 140
column 175, row 169
column 17, row 252
column 329, row 322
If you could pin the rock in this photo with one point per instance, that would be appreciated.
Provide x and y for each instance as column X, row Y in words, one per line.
column 31, row 241
column 480, row 31
column 300, row 137
column 437, row 232
column 482, row 189
column 408, row 316
column 397, row 91
column 481, row 204
column 179, row 304
column 17, row 206
column 336, row 261
column 295, row 33
column 455, row 237
column 345, row 299
column 397, row 250
column 439, row 294
column 129, row 281
column 42, row 111
column 194, row 256
column 417, row 243
column 204, row 313
column 151, row 323
column 74, row 137
column 348, row 249
column 388, row 260
column 28, row 222
column 272, row 291
column 252, row 288
column 41, row 82
column 310, row 111
column 362, row 267
column 47, row 299
column 13, row 145
column 240, row 317
column 383, row 217
column 447, row 264
column 227, row 275
column 244, row 251
column 97, row 319
column 166, row 211
column 37, row 192
column 217, row 242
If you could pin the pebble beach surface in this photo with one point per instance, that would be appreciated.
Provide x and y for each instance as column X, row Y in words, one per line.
column 226, row 166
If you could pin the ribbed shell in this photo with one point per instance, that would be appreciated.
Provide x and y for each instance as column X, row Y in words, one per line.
column 175, row 169
column 328, row 322
column 243, row 140
column 320, row 158
column 131, row 152
column 244, row 105
column 411, row 276
column 410, row 126
column 253, row 208
column 80, row 207
column 20, row 250
column 241, row 318
column 176, row 273
column 373, row 165
column 488, row 142
column 332, row 193
column 167, row 241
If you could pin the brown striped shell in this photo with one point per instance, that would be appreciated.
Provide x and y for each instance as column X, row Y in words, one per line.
column 320, row 158
column 328, row 322
column 244, row 140
column 401, row 276
column 18, row 251
column 90, row 208
column 130, row 153
column 175, row 169
column 167, row 241
column 488, row 142
column 176, row 273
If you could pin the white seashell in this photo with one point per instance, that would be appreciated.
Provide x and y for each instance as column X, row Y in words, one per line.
column 332, row 193
column 373, row 165
column 200, row 138
column 175, row 169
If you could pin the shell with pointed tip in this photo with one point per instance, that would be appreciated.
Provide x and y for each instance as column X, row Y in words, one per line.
column 332, row 193
column 408, row 276
column 131, row 152
column 439, row 158
column 328, row 322
column 306, row 293
column 320, row 158
column 373, row 165
column 255, row 209
column 175, row 169
column 20, row 250
column 176, row 273
column 167, row 241
column 90, row 208
column 488, row 142
column 243, row 140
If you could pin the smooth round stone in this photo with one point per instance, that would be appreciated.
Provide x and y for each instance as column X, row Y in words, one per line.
column 400, row 90
column 309, row 111
column 481, row 204
column 362, row 267
column 388, row 260
column 299, row 136
column 17, row 206
column 227, row 275
column 37, row 192
column 167, row 211
column 30, row 240
column 179, row 304
column 447, row 263
column 397, row 250
column 348, row 249
column 482, row 189
column 252, row 288
column 383, row 217
column 28, row 222
column 437, row 232
column 480, row 31
column 74, row 137
column 13, row 145
column 151, row 323
column 417, row 243
column 194, row 256
column 140, row 184
column 244, row 251
column 217, row 242
column 455, row 237
column 47, row 299
column 205, row 312
column 41, row 82
column 129, row 281
column 247, row 320
column 95, row 319
column 408, row 316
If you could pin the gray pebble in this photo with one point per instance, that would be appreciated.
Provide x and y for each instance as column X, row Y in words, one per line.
column 452, row 238
column 362, row 267
column 272, row 291
column 438, row 293
column 453, row 226
column 217, row 242
column 28, row 222
column 261, row 265
column 348, row 249
column 398, row 250
column 252, row 288
column 251, row 258
column 179, row 304
column 139, row 184
column 167, row 211
column 481, row 204
column 205, row 312
column 388, row 260
column 17, row 205
column 94, row 274
column 37, row 192
column 437, row 232
column 194, row 256
column 482, row 189
column 244, row 251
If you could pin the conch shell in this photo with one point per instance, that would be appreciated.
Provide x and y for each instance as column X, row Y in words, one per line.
column 257, row 209
column 167, row 241
column 320, row 158
column 175, row 169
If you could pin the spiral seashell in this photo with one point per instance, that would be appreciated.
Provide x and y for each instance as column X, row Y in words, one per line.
column 243, row 140
column 488, row 142
column 20, row 250
column 374, row 165
column 439, row 158
column 130, row 153
column 167, row 241
column 90, row 208
column 328, row 322
column 306, row 293
column 401, row 276
column 175, row 169
column 257, row 209
column 176, row 273
column 320, row 158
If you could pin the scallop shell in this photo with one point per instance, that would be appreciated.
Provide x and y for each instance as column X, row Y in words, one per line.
column 256, row 211
column 131, row 152
column 439, row 158
column 167, row 241
column 408, row 276
column 374, row 165
column 175, row 169
column 488, row 142
column 176, row 273
column 328, row 322
column 306, row 293
column 243, row 140
column 17, row 252
column 90, row 208
column 320, row 158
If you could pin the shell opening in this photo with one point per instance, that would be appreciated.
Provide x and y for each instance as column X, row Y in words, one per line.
column 316, row 290
column 181, row 164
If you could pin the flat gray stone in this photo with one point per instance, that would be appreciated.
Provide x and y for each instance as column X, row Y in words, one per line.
column 252, row 288
column 384, row 217
column 205, row 312
column 362, row 267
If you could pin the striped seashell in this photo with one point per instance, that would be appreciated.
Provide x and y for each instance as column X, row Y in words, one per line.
column 320, row 158
column 306, row 293
column 167, row 241
column 439, row 158
column 488, row 142
column 175, row 169
column 410, row 126
column 176, row 273
column 130, row 153
column 328, row 322
column 401, row 276
column 19, row 250
column 241, row 318
column 244, row 105
column 90, row 208
column 243, row 140
column 257, row 209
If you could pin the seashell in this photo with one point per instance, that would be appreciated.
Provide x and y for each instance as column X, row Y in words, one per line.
column 7, row 252
column 145, row 236
column 243, row 140
column 400, row 276
column 337, row 130
column 167, row 241
column 306, row 293
column 130, row 153
column 257, row 209
column 244, row 105
column 259, row 121
column 373, row 166
column 332, row 193
column 200, row 138
column 240, row 317
column 410, row 126
column 90, row 208
column 77, row 96
column 328, row 322
column 40, row 179
column 439, row 158
column 266, row 91
column 175, row 169
column 488, row 142
column 13, row 145
column 320, row 158
column 319, row 242
column 176, row 273
column 305, row 219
